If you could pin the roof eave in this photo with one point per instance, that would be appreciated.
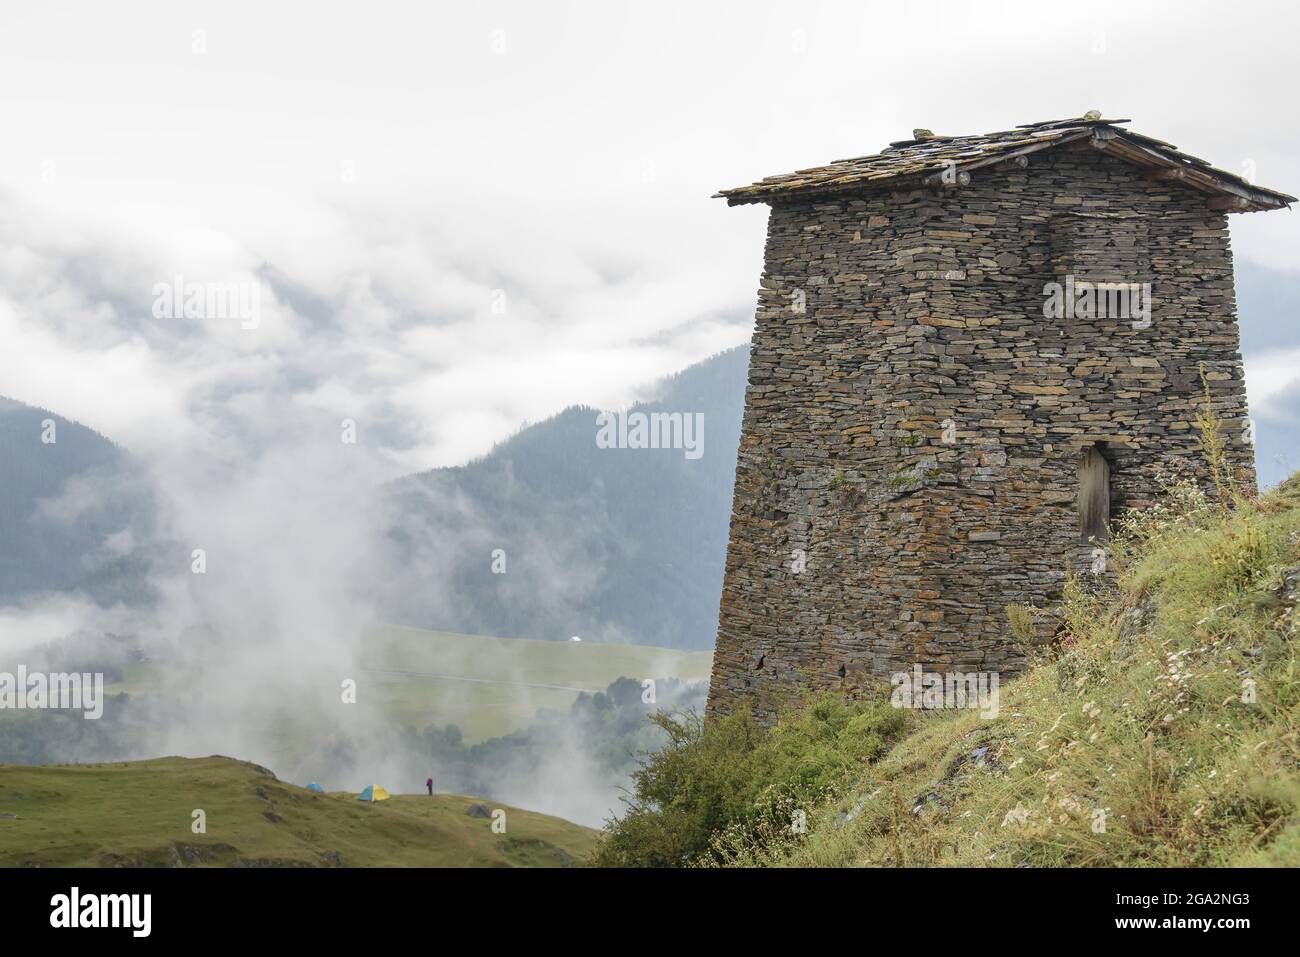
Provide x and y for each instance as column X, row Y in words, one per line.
column 1235, row 193
column 1206, row 178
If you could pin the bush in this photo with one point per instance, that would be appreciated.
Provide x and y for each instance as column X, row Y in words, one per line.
column 732, row 783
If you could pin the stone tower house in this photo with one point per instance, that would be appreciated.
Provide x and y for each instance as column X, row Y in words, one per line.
column 969, row 353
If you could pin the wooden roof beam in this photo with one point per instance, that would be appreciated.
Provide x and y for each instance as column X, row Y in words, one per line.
column 1229, row 204
column 1016, row 162
column 950, row 178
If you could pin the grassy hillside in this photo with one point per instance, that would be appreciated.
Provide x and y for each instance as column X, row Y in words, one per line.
column 1158, row 729
column 139, row 814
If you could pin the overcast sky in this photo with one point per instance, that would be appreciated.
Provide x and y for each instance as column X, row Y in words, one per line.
column 465, row 218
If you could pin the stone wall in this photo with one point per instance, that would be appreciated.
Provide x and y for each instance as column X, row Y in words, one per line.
column 914, row 424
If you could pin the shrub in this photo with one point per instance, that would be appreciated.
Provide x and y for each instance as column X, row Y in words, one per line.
column 733, row 782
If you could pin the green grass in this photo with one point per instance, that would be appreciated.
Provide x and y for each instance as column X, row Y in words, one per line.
column 486, row 686
column 1160, row 731
column 139, row 814
column 513, row 677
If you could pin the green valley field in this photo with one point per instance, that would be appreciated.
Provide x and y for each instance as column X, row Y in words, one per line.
column 484, row 685
column 139, row 814
column 492, row 686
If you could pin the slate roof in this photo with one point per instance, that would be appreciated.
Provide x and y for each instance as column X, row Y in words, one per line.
column 926, row 158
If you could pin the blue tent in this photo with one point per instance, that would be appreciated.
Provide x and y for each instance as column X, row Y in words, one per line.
column 373, row 792
column 315, row 787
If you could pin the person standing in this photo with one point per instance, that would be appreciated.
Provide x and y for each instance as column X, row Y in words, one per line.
column 428, row 783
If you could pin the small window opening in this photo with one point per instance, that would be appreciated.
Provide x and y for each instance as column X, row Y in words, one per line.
column 1094, row 495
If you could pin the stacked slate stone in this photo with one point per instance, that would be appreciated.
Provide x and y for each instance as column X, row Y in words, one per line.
column 914, row 422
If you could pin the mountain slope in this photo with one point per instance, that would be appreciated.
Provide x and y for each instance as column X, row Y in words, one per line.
column 140, row 813
column 1268, row 301
column 66, row 509
column 612, row 544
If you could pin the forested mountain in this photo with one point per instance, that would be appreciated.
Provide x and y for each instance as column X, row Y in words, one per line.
column 612, row 544
column 69, row 509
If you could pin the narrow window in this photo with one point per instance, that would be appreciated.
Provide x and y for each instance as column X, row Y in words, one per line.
column 1094, row 494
